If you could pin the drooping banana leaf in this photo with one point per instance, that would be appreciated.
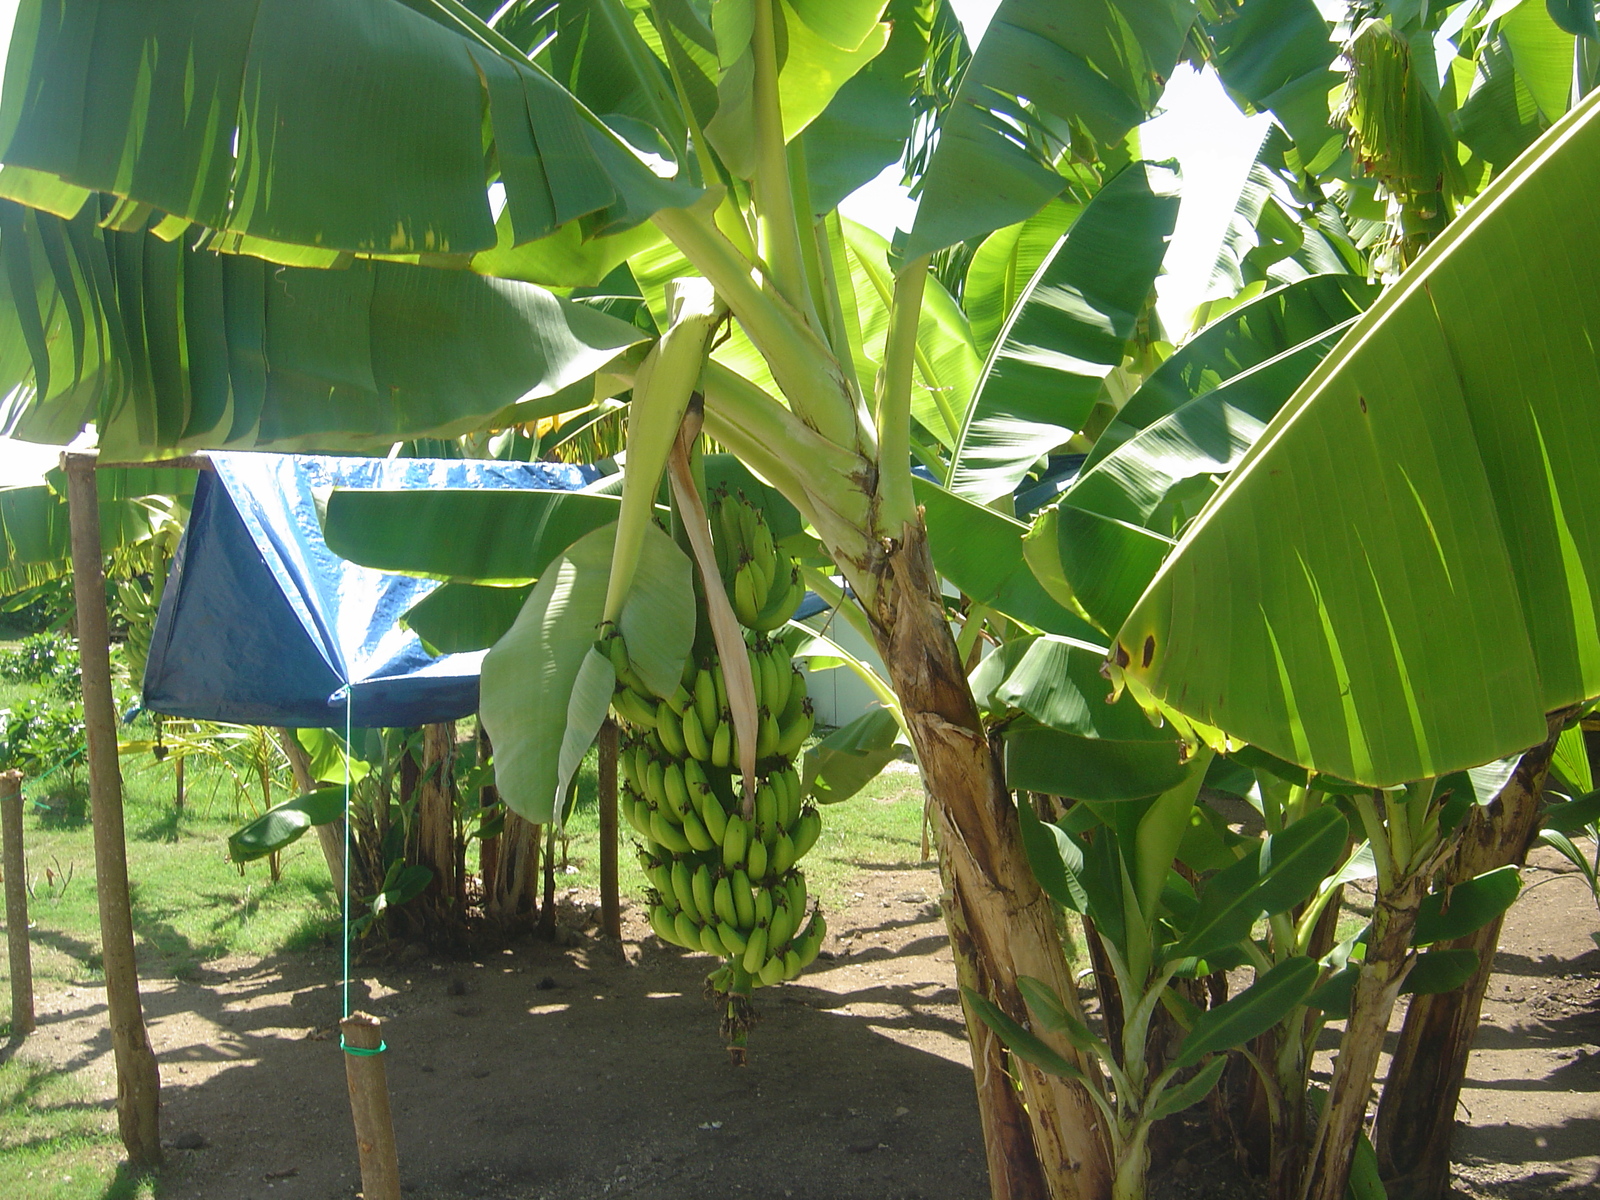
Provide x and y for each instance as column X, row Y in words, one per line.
column 1066, row 333
column 348, row 125
column 475, row 535
column 166, row 345
column 465, row 616
column 1088, row 71
column 1398, row 581
column 545, row 688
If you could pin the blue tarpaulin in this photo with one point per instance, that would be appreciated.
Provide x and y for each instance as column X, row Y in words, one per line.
column 262, row 624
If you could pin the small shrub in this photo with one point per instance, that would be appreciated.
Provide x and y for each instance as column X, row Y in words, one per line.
column 49, row 658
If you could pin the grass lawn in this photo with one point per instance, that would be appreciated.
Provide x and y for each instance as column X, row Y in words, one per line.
column 191, row 906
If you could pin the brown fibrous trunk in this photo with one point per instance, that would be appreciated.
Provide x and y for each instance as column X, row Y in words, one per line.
column 1043, row 1139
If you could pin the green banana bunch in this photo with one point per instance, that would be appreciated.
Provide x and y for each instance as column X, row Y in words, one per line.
column 724, row 881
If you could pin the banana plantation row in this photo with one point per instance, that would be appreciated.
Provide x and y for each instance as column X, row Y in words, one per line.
column 1330, row 549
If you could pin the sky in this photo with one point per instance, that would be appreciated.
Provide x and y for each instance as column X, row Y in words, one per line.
column 1198, row 125
column 1213, row 142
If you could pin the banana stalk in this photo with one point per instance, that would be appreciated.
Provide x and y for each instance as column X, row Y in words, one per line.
column 662, row 387
column 724, row 625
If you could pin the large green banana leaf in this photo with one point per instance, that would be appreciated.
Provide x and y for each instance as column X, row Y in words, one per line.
column 166, row 345
column 344, row 125
column 477, row 535
column 1399, row 579
column 1045, row 75
column 1066, row 333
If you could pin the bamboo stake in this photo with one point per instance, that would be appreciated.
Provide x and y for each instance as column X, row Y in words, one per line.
column 16, row 905
column 610, row 901
column 138, row 1081
column 369, row 1107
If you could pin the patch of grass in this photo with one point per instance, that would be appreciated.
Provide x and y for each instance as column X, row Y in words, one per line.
column 57, row 1145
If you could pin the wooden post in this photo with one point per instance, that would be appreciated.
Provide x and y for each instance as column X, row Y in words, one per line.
column 177, row 769
column 138, row 1082
column 610, row 902
column 16, row 904
column 369, row 1105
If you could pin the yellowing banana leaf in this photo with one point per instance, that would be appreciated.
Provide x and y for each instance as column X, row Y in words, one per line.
column 1398, row 581
column 347, row 125
column 1066, row 332
column 477, row 535
column 1089, row 71
column 545, row 689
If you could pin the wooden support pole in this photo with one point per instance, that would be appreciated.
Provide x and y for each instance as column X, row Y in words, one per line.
column 369, row 1105
column 610, row 901
column 16, row 904
column 138, row 1082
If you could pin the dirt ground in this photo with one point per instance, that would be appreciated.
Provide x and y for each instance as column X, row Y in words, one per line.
column 578, row 1071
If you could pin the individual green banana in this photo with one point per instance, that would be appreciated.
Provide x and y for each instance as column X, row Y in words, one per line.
column 756, row 859
column 668, row 834
column 767, row 809
column 634, row 708
column 655, row 787
column 674, row 789
column 783, row 856
column 695, row 831
column 771, row 971
column 807, row 829
column 680, row 700
column 765, row 906
column 787, row 784
column 795, row 701
column 795, row 885
column 711, row 812
column 734, row 941
column 745, row 605
column 705, row 701
column 630, row 763
column 766, row 735
column 688, row 931
column 683, row 888
column 719, row 684
column 722, row 744
column 780, row 927
column 662, row 922
column 617, row 652
column 783, row 599
column 637, row 812
column 702, row 887
column 711, row 942
column 764, row 553
column 791, row 963
column 722, row 900
column 755, row 951
column 661, row 876
column 810, row 942
column 744, row 899
column 778, row 678
column 734, row 842
column 794, row 735
column 694, row 736
column 670, row 731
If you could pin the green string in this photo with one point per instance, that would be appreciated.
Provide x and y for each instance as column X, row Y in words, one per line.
column 362, row 1051
column 347, row 705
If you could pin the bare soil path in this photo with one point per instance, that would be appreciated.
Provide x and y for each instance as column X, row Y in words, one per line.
column 582, row 1071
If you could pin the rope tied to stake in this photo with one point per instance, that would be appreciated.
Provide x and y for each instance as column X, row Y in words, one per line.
column 356, row 1051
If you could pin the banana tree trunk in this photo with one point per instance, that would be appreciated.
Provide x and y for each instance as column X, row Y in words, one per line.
column 1045, row 1140
column 1394, row 915
column 1416, row 1116
column 436, row 823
